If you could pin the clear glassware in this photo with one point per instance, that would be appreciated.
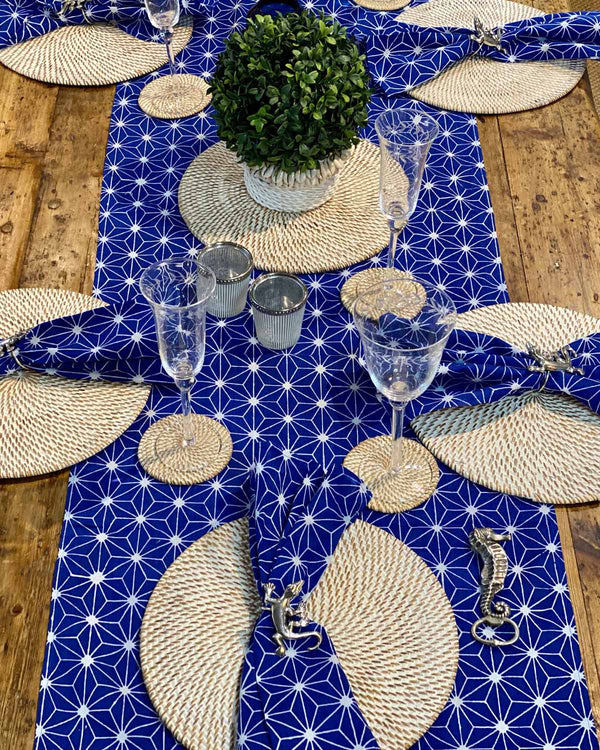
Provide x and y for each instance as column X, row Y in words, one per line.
column 404, row 325
column 405, row 137
column 164, row 16
column 178, row 291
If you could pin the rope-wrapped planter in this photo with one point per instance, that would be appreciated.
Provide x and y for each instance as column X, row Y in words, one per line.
column 295, row 192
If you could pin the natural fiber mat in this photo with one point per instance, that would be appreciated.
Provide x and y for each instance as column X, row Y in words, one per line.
column 359, row 282
column 482, row 85
column 347, row 229
column 370, row 460
column 541, row 445
column 400, row 656
column 49, row 422
column 156, row 99
column 93, row 55
column 382, row 4
column 210, row 454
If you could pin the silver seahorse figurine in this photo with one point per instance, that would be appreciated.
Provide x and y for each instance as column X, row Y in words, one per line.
column 487, row 544
column 286, row 618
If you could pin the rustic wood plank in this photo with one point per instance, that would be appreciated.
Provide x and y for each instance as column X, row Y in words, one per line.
column 26, row 109
column 544, row 183
column 52, row 146
column 30, row 521
column 62, row 247
column 18, row 189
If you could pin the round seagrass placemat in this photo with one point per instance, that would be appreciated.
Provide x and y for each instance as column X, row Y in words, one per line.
column 156, row 99
column 370, row 460
column 212, row 450
column 479, row 84
column 49, row 422
column 382, row 4
column 541, row 445
column 400, row 656
column 359, row 282
column 347, row 229
column 93, row 55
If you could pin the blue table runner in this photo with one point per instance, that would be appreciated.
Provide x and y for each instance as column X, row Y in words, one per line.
column 122, row 528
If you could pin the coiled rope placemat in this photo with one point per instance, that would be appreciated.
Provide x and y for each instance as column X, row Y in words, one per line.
column 157, row 100
column 400, row 655
column 382, row 4
column 541, row 445
column 49, row 422
column 94, row 55
column 482, row 85
column 216, row 206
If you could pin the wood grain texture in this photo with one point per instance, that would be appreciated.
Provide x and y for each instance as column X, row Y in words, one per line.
column 542, row 168
column 544, row 178
column 52, row 146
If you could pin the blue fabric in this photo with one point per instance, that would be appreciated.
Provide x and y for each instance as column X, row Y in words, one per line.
column 285, row 550
column 314, row 402
column 479, row 369
column 116, row 342
column 401, row 56
column 21, row 20
column 476, row 368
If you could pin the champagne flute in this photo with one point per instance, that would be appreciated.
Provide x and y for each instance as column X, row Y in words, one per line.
column 405, row 137
column 178, row 94
column 164, row 16
column 178, row 291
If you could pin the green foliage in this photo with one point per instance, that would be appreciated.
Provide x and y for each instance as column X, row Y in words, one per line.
column 290, row 91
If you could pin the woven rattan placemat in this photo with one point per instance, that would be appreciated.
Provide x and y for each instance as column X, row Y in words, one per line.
column 370, row 460
column 482, row 85
column 347, row 229
column 400, row 656
column 212, row 450
column 382, row 4
column 541, row 445
column 157, row 100
column 93, row 55
column 49, row 422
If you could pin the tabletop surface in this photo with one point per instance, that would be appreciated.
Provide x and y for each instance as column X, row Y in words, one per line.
column 544, row 180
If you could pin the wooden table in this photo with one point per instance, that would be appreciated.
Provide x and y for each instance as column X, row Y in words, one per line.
column 544, row 180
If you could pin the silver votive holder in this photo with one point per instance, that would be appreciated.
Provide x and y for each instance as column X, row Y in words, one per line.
column 232, row 265
column 278, row 301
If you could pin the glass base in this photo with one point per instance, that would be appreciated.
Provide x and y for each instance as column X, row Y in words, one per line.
column 412, row 479
column 172, row 451
column 394, row 491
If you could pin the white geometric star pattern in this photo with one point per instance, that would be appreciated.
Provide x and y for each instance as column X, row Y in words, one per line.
column 122, row 528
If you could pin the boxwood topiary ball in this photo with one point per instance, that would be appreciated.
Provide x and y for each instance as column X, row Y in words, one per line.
column 290, row 91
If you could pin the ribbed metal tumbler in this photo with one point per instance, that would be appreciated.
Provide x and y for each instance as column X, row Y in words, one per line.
column 278, row 301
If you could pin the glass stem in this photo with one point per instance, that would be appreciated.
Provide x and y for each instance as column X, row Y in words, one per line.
column 398, row 408
column 394, row 234
column 168, row 38
column 187, row 420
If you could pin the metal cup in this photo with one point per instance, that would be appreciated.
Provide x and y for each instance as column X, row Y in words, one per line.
column 278, row 301
column 232, row 265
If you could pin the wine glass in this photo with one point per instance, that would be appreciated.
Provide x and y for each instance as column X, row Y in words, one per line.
column 179, row 94
column 405, row 137
column 404, row 325
column 178, row 291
